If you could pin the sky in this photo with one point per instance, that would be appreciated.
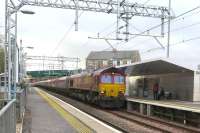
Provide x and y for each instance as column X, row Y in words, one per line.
column 51, row 32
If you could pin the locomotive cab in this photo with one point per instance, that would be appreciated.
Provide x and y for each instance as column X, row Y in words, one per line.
column 112, row 84
column 111, row 87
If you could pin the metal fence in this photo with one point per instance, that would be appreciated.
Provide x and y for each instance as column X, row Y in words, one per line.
column 20, row 103
column 12, row 111
column 8, row 117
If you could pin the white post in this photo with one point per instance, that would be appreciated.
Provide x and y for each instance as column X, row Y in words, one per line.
column 169, row 23
column 76, row 16
column 21, row 60
column 15, row 59
column 117, row 32
column 5, row 50
column 9, row 57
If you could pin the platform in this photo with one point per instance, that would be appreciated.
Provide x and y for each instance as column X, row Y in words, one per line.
column 49, row 114
column 175, row 104
column 180, row 111
column 42, row 118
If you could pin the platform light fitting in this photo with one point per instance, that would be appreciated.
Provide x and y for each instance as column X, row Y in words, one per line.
column 27, row 12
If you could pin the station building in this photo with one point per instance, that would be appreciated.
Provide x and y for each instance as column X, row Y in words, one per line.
column 102, row 59
column 182, row 83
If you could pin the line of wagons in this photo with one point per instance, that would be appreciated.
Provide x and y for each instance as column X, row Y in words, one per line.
column 104, row 87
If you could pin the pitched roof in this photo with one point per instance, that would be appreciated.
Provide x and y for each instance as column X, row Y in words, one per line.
column 155, row 66
column 100, row 55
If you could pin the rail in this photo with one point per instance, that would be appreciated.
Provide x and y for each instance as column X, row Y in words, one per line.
column 8, row 117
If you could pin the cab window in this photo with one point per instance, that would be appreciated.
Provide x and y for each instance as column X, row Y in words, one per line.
column 118, row 79
column 106, row 79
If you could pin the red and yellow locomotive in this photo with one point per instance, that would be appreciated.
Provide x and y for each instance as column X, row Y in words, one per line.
column 104, row 87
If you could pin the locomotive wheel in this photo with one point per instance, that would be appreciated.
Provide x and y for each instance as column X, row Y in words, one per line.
column 89, row 97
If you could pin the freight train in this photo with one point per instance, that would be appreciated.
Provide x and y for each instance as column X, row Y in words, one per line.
column 104, row 87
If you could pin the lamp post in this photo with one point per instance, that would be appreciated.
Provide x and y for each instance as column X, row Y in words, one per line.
column 23, row 55
column 15, row 71
column 10, row 49
column 22, row 60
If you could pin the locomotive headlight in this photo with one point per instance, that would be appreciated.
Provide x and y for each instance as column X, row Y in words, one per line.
column 102, row 92
column 121, row 91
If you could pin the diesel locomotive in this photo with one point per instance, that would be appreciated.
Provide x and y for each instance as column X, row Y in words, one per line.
column 104, row 87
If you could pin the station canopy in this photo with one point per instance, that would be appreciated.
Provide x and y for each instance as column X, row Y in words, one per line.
column 157, row 66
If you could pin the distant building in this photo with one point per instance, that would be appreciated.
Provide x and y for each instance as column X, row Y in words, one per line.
column 101, row 59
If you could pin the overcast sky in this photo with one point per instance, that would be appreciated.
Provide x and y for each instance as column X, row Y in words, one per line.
column 46, row 31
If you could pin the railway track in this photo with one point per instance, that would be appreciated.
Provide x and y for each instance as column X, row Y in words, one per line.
column 169, row 123
column 128, row 121
column 158, row 124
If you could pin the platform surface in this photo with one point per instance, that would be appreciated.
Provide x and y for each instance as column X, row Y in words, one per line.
column 89, row 121
column 181, row 105
column 52, row 115
column 44, row 119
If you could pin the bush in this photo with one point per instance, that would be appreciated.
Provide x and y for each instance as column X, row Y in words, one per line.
column 1, row 60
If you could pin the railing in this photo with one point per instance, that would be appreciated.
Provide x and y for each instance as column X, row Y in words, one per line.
column 12, row 111
column 8, row 116
column 20, row 104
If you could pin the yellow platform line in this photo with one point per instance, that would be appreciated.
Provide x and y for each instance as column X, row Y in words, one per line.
column 73, row 121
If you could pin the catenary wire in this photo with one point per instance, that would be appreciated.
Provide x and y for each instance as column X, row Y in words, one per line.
column 65, row 35
column 174, row 20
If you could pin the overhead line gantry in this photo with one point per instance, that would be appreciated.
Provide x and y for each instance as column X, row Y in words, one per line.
column 60, row 59
column 124, row 12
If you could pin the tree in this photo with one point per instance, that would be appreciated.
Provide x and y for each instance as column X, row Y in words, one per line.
column 1, row 60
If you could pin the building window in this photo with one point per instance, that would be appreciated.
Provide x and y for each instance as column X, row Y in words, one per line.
column 89, row 63
column 118, row 62
column 121, row 62
column 128, row 61
column 105, row 62
column 114, row 63
column 100, row 63
column 124, row 61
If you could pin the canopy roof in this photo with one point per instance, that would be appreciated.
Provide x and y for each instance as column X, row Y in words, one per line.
column 157, row 66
